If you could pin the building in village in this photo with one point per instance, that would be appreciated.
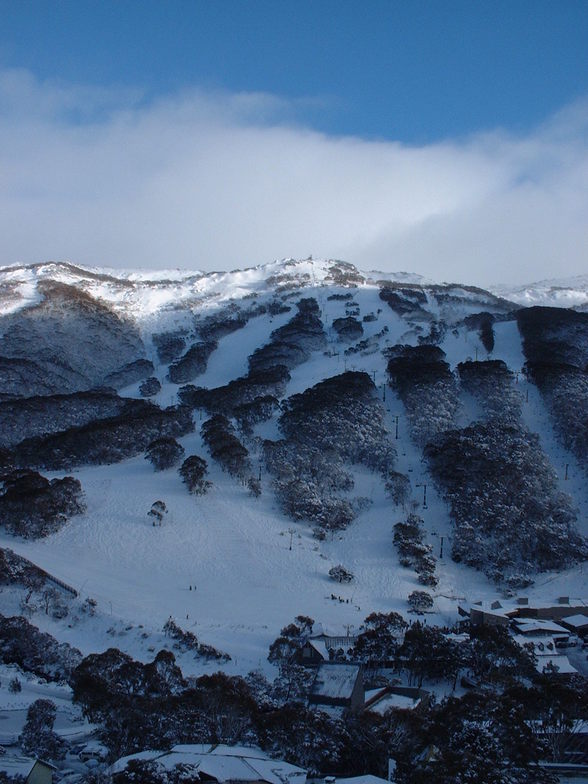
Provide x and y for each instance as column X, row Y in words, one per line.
column 338, row 686
column 538, row 628
column 577, row 624
column 501, row 612
column 399, row 697
column 29, row 769
column 322, row 645
column 545, row 627
column 219, row 763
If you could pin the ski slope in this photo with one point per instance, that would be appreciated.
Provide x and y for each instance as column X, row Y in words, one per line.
column 231, row 568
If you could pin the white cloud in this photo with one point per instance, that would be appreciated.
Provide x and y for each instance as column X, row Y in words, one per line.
column 219, row 181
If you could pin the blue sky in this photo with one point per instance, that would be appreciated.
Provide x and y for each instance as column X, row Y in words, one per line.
column 447, row 137
column 413, row 71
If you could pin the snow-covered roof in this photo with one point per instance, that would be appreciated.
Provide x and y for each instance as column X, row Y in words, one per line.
column 20, row 766
column 320, row 647
column 324, row 630
column 537, row 625
column 577, row 620
column 489, row 608
column 223, row 763
column 562, row 663
column 541, row 644
column 510, row 606
column 545, row 651
column 335, row 681
column 144, row 756
column 394, row 701
column 368, row 779
column 457, row 638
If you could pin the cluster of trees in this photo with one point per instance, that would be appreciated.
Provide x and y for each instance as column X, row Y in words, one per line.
column 398, row 488
column 348, row 328
column 226, row 321
column 509, row 514
column 309, row 482
column 107, row 440
column 225, row 447
column 340, row 297
column 258, row 410
column 422, row 651
column 192, row 363
column 491, row 384
column 426, row 386
column 566, row 394
column 189, row 641
column 238, row 392
column 23, row 418
column 341, row 414
column 342, row 273
column 129, row 373
column 65, row 342
column 14, row 569
column 435, row 335
column 380, row 638
column 151, row 386
column 291, row 344
column 484, row 323
column 555, row 342
column 169, row 345
column 336, row 422
column 368, row 345
column 164, row 453
column 187, row 364
column 140, row 706
column 33, row 506
column 413, row 552
column 404, row 300
column 483, row 738
column 420, row 602
column 34, row 651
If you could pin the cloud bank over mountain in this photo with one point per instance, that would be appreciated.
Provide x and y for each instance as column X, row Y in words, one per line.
column 211, row 180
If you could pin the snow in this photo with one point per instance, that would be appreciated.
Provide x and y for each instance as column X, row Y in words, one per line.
column 69, row 722
column 398, row 701
column 368, row 779
column 540, row 626
column 223, row 763
column 545, row 650
column 16, row 766
column 233, row 548
column 576, row 620
column 556, row 292
column 335, row 681
column 321, row 648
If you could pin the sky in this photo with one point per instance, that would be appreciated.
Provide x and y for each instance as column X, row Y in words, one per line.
column 441, row 137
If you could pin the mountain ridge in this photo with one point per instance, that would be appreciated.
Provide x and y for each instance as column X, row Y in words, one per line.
column 248, row 372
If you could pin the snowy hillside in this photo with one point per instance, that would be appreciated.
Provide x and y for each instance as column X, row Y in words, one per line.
column 304, row 476
column 557, row 293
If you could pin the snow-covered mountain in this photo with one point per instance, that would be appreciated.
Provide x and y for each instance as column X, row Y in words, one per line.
column 556, row 292
column 328, row 404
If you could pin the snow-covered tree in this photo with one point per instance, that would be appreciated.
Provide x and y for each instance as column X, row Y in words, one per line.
column 157, row 512
column 193, row 471
column 38, row 738
column 164, row 453
column 420, row 601
column 340, row 574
